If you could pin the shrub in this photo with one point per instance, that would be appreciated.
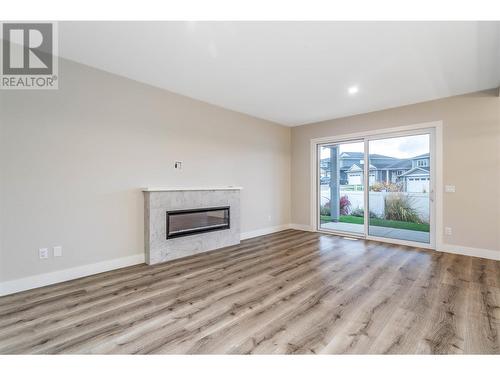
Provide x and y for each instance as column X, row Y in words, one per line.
column 344, row 205
column 399, row 207
column 360, row 213
column 325, row 209
column 386, row 186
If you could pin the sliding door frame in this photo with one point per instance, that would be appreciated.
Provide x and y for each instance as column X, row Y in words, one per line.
column 436, row 188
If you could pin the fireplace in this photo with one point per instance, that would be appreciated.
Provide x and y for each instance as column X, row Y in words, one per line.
column 195, row 221
column 173, row 215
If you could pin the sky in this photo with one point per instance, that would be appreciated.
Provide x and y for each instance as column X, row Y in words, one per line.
column 400, row 147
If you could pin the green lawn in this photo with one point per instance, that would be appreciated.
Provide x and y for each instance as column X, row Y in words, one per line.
column 381, row 223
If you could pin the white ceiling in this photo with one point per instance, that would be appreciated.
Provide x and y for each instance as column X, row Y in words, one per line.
column 294, row 72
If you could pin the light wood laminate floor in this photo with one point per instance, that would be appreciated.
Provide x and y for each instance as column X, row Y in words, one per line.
column 289, row 292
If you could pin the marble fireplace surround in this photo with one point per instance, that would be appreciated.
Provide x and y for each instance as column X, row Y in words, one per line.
column 157, row 201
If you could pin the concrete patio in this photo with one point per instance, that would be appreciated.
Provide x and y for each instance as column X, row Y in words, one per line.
column 400, row 234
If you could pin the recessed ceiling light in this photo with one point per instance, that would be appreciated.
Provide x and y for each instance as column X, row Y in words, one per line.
column 353, row 90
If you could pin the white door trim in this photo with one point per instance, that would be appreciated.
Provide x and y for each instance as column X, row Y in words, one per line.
column 437, row 147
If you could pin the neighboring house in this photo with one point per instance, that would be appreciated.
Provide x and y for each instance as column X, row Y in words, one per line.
column 412, row 172
column 417, row 179
column 351, row 167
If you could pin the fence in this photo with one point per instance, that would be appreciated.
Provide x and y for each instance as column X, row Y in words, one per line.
column 420, row 201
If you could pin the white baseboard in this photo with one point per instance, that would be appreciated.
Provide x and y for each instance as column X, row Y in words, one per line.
column 303, row 227
column 264, row 231
column 470, row 251
column 447, row 248
column 36, row 281
column 31, row 282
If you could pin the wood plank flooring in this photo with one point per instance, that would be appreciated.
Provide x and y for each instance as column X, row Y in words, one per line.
column 289, row 292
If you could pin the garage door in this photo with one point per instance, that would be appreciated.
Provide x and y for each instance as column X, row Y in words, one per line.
column 418, row 185
column 355, row 179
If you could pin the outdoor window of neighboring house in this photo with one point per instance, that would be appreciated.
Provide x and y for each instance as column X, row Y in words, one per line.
column 422, row 163
column 399, row 173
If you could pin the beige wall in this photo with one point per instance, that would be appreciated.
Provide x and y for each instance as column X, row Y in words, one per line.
column 471, row 161
column 73, row 161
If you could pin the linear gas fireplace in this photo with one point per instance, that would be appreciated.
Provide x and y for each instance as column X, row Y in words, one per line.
column 199, row 220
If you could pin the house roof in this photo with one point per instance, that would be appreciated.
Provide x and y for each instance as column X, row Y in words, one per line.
column 357, row 155
column 354, row 168
column 423, row 156
column 376, row 161
column 401, row 164
column 417, row 171
column 361, row 155
column 384, row 163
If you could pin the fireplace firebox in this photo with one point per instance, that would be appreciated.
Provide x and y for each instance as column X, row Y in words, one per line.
column 198, row 220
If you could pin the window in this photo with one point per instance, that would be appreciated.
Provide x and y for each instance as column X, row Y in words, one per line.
column 399, row 173
column 422, row 163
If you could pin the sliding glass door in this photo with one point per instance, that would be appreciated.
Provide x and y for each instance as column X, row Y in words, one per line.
column 400, row 187
column 378, row 187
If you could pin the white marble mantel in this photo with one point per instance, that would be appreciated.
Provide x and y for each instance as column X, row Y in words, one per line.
column 159, row 188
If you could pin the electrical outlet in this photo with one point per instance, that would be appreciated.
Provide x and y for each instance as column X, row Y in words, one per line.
column 57, row 251
column 178, row 165
column 43, row 253
column 269, row 217
column 447, row 231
